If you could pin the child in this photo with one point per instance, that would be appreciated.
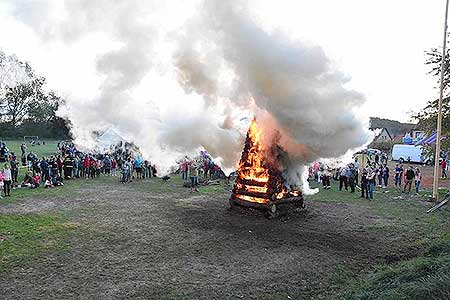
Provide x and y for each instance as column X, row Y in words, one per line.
column 7, row 180
column 28, row 180
column 36, row 181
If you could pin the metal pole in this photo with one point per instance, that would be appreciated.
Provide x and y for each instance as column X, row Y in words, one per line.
column 439, row 119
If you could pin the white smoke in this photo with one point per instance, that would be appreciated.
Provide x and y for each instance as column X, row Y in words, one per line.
column 196, row 83
column 293, row 87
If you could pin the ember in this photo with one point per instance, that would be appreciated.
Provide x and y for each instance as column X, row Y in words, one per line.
column 259, row 183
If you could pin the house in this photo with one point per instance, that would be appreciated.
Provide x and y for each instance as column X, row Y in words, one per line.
column 382, row 135
column 398, row 139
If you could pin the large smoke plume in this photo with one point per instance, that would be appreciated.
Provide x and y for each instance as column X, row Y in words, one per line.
column 197, row 83
column 292, row 88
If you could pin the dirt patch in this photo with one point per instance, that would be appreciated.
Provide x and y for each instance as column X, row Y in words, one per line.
column 158, row 241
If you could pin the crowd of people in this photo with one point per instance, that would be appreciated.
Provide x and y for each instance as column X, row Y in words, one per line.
column 69, row 163
column 367, row 178
column 203, row 167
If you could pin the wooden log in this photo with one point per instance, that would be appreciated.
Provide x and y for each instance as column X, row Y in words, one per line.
column 287, row 200
column 250, row 182
column 446, row 199
column 243, row 203
column 251, row 194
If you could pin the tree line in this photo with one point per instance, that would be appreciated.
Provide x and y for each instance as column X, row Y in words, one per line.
column 25, row 107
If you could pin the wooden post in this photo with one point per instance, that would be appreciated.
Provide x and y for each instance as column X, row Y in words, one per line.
column 439, row 119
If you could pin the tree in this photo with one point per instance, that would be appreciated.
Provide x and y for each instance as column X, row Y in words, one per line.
column 25, row 107
column 19, row 99
column 427, row 116
column 43, row 110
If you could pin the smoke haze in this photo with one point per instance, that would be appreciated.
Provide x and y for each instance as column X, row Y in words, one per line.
column 196, row 83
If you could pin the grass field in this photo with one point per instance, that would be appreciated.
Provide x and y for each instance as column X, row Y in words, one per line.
column 156, row 240
column 422, row 271
column 40, row 150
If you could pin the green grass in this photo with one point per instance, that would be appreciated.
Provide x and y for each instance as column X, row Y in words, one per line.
column 71, row 188
column 24, row 237
column 40, row 150
column 425, row 276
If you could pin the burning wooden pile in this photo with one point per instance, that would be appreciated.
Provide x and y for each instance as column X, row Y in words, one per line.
column 259, row 183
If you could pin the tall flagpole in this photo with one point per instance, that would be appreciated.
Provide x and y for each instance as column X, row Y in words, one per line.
column 439, row 119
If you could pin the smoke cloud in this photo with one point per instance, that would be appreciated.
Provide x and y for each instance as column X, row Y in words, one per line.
column 177, row 83
column 292, row 87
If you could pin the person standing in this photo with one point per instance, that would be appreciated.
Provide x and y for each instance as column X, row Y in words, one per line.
column 14, row 169
column 184, row 168
column 351, row 177
column 409, row 176
column 45, row 167
column 114, row 168
column 60, row 164
column 364, row 185
column 343, row 179
column 398, row 176
column 356, row 164
column 379, row 174
column 68, row 167
column 385, row 175
column 326, row 178
column 1, row 183
column 371, row 182
column 444, row 168
column 23, row 149
column 7, row 181
column 76, row 164
column 193, row 171
column 418, row 178
column 107, row 165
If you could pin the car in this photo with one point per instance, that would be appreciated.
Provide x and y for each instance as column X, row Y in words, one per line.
column 373, row 151
column 408, row 153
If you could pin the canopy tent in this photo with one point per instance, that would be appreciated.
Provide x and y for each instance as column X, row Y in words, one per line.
column 407, row 139
column 109, row 138
column 429, row 140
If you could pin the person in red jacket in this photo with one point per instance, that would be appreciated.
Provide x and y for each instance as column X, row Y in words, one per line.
column 86, row 165
column 444, row 168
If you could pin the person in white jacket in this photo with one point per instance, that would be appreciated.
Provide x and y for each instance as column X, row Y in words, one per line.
column 7, row 180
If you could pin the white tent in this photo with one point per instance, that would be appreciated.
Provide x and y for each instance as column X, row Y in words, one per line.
column 109, row 138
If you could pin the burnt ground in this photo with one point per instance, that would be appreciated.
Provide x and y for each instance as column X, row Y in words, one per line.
column 155, row 240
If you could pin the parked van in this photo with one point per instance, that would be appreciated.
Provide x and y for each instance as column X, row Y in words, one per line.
column 407, row 153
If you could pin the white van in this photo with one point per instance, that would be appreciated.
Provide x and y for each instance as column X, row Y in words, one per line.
column 407, row 153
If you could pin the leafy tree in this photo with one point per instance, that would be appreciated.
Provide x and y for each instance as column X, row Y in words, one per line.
column 43, row 110
column 19, row 99
column 25, row 107
column 427, row 116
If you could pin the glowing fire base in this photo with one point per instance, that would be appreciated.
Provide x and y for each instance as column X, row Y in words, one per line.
column 271, row 209
column 259, row 184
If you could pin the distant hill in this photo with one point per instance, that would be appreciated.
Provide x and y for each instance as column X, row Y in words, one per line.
column 394, row 127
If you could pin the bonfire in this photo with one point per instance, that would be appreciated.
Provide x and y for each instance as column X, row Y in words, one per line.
column 259, row 182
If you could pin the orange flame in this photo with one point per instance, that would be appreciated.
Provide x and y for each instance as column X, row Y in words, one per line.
column 253, row 168
column 255, row 182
